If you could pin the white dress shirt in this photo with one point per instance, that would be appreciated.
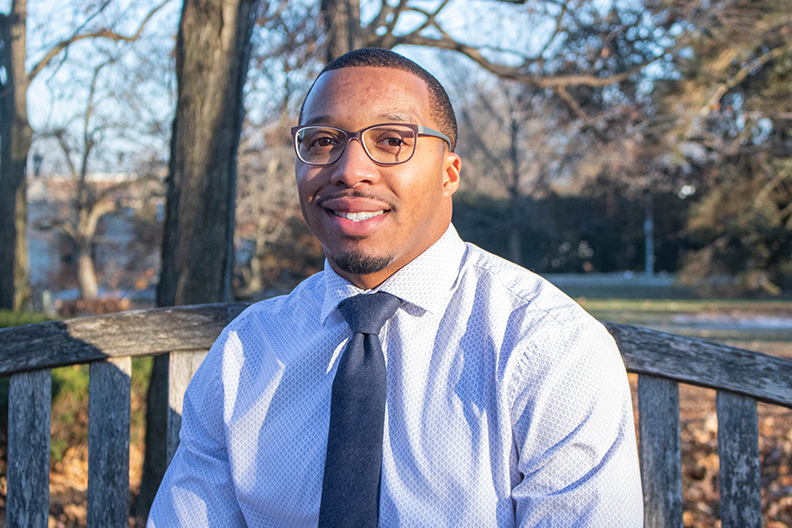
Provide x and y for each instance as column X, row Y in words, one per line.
column 507, row 405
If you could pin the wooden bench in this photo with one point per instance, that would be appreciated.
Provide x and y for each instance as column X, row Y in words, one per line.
column 109, row 342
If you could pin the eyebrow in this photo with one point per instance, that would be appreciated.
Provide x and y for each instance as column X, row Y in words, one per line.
column 399, row 118
column 386, row 118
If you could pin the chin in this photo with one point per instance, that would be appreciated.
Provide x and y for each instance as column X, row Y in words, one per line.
column 358, row 263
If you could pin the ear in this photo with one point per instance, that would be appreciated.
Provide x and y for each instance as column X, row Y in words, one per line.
column 452, row 164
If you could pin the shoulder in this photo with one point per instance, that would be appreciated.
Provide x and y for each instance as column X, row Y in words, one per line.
column 305, row 299
column 268, row 320
column 522, row 290
column 538, row 327
column 244, row 342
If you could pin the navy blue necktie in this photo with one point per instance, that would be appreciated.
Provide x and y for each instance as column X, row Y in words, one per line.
column 351, row 484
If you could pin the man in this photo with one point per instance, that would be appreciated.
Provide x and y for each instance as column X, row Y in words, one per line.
column 505, row 404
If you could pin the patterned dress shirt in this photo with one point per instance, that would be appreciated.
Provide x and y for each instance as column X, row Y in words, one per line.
column 507, row 405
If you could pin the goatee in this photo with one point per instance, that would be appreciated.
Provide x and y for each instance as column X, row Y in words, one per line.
column 357, row 263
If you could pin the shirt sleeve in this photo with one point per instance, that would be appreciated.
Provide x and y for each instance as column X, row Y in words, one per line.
column 574, row 431
column 197, row 490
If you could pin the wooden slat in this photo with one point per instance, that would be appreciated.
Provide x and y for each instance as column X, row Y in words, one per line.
column 108, row 443
column 181, row 369
column 29, row 402
column 703, row 363
column 738, row 451
column 661, row 455
column 147, row 332
column 136, row 333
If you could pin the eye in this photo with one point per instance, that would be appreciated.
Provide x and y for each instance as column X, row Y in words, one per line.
column 393, row 141
column 322, row 140
column 392, row 138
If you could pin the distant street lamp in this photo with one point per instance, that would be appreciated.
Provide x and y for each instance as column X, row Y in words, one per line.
column 648, row 228
column 38, row 159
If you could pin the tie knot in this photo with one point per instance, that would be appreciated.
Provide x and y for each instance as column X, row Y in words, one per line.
column 367, row 313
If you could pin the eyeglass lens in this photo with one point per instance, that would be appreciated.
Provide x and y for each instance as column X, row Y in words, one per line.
column 384, row 144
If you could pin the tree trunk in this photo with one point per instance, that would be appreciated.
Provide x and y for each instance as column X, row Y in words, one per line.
column 342, row 27
column 515, row 222
column 15, row 140
column 212, row 56
column 86, row 275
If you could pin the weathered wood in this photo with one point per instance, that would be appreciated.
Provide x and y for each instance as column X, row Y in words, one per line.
column 660, row 448
column 148, row 332
column 108, row 443
column 738, row 451
column 181, row 368
column 29, row 402
column 703, row 363
column 136, row 333
column 189, row 331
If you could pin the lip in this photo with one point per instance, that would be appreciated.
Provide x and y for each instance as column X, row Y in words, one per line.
column 352, row 204
column 355, row 229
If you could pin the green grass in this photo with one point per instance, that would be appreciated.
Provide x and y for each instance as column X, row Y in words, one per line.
column 683, row 306
column 661, row 314
column 9, row 318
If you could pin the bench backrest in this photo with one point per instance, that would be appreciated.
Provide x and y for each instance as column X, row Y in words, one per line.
column 108, row 343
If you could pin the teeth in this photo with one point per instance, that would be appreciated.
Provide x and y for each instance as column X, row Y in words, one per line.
column 358, row 217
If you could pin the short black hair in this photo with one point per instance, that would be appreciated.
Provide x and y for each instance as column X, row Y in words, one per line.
column 440, row 108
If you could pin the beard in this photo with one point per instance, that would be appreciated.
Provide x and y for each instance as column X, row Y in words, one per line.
column 357, row 263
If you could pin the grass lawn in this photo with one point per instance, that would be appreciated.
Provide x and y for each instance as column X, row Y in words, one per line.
column 717, row 320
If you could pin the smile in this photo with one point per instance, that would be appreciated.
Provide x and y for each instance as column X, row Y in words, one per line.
column 357, row 217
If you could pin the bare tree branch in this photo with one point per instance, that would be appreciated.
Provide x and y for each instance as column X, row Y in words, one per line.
column 751, row 67
column 379, row 20
column 55, row 223
column 126, row 184
column 395, row 18
column 60, row 135
column 493, row 159
column 556, row 31
column 97, row 211
column 573, row 104
column 517, row 73
column 102, row 33
column 431, row 17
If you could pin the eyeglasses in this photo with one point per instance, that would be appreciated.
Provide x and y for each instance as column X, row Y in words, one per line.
column 386, row 143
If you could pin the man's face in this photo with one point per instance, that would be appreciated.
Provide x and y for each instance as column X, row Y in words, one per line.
column 408, row 205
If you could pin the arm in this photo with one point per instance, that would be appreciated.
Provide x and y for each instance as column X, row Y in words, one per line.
column 197, row 490
column 574, row 431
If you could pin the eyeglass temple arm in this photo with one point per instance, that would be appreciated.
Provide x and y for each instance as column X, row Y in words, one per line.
column 423, row 131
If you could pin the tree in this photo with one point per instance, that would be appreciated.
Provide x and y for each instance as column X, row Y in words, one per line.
column 732, row 124
column 81, row 135
column 15, row 139
column 16, row 133
column 276, row 250
column 582, row 48
column 515, row 140
column 212, row 56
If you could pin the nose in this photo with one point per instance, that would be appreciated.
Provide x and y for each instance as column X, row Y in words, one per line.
column 354, row 166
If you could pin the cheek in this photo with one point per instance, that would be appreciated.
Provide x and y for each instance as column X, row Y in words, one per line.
column 307, row 186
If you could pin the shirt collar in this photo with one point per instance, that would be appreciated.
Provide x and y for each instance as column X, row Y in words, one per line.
column 425, row 282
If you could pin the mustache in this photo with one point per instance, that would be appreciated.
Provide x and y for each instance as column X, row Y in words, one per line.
column 351, row 193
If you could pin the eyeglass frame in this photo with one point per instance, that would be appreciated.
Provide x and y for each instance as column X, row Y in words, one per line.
column 418, row 130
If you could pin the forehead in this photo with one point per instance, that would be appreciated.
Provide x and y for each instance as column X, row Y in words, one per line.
column 356, row 97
